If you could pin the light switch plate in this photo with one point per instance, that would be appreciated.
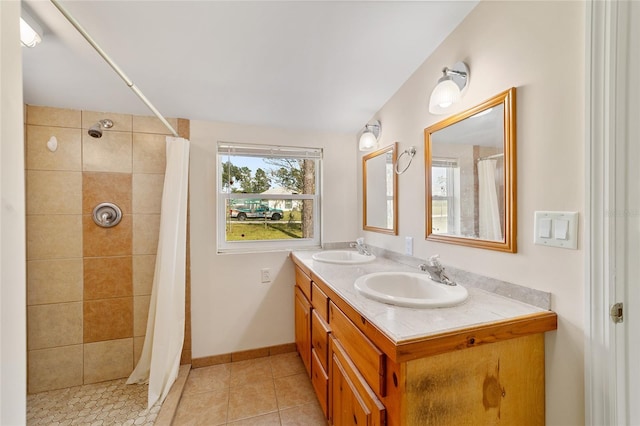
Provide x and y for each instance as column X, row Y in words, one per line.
column 558, row 222
column 408, row 246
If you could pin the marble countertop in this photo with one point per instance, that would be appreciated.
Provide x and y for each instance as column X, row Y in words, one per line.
column 402, row 324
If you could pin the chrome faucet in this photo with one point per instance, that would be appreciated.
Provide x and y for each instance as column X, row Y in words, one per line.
column 361, row 247
column 435, row 270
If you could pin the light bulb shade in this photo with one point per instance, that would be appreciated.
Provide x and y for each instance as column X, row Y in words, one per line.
column 29, row 32
column 450, row 88
column 445, row 94
column 367, row 141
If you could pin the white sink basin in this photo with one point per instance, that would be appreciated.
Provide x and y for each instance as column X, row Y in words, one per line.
column 350, row 257
column 410, row 289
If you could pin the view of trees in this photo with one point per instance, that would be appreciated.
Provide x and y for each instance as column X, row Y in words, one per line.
column 232, row 174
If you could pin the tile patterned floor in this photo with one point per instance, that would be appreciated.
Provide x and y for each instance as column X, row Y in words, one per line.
column 99, row 404
column 264, row 391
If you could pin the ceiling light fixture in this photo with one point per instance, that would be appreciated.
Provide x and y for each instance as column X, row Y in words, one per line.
column 449, row 89
column 370, row 135
column 30, row 31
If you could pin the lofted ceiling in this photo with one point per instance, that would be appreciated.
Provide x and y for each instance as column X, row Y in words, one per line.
column 316, row 65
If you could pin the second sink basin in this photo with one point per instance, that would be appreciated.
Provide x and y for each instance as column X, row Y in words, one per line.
column 410, row 289
column 343, row 256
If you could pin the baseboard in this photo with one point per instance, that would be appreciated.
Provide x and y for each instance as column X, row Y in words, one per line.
column 242, row 355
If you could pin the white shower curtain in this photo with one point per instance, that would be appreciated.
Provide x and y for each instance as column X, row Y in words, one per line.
column 160, row 359
column 489, row 211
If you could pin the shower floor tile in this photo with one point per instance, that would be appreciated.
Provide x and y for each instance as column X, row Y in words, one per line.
column 100, row 404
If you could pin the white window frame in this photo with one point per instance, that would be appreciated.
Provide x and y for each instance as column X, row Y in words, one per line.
column 453, row 192
column 224, row 149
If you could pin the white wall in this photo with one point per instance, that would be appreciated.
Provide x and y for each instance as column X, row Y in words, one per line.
column 13, row 346
column 230, row 309
column 537, row 47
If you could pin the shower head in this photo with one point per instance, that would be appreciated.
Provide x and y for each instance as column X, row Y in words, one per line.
column 95, row 131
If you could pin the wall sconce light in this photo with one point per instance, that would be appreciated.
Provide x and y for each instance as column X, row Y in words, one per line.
column 370, row 135
column 449, row 89
column 30, row 31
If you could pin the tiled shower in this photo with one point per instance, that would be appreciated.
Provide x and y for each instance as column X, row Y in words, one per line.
column 88, row 288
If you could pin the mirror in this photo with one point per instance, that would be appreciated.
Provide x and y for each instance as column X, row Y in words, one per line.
column 380, row 191
column 470, row 174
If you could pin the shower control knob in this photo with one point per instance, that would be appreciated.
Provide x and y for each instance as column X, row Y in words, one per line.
column 107, row 215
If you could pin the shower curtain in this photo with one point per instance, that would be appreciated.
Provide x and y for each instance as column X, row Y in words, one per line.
column 160, row 359
column 489, row 212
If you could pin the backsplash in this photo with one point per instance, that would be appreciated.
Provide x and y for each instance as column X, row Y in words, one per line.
column 538, row 298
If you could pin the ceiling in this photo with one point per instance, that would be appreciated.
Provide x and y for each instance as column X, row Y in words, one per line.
column 316, row 65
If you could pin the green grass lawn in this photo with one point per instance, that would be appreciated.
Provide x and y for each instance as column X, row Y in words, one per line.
column 269, row 230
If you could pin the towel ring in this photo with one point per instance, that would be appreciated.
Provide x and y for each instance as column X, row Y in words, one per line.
column 410, row 152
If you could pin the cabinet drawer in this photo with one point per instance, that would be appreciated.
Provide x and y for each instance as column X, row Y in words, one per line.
column 320, row 381
column 320, row 301
column 320, row 338
column 352, row 401
column 304, row 282
column 369, row 359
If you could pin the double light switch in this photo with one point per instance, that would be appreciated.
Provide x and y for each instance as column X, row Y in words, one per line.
column 556, row 229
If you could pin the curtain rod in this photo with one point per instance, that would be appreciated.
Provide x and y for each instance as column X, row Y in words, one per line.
column 489, row 157
column 114, row 66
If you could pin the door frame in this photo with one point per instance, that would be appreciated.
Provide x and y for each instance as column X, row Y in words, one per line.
column 606, row 93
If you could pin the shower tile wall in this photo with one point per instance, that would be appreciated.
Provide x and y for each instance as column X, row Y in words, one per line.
column 89, row 287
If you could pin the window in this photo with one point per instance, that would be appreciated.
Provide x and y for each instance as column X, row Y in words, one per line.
column 445, row 198
column 268, row 197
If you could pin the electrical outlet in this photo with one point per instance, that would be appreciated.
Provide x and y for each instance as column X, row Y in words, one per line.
column 408, row 246
column 265, row 275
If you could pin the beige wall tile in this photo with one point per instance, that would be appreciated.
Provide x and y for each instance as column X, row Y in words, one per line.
column 150, row 124
column 106, row 277
column 146, row 228
column 68, row 156
column 54, row 236
column 138, row 344
column 144, row 267
column 58, row 324
column 110, row 153
column 108, row 360
column 140, row 315
column 54, row 281
column 147, row 193
column 100, row 242
column 49, row 116
column 54, row 192
column 108, row 319
column 149, row 153
column 121, row 122
column 102, row 187
column 54, row 368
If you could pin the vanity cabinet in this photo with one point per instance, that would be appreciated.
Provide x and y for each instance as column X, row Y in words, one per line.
column 488, row 373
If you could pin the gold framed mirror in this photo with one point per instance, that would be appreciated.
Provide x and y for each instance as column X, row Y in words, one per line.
column 470, row 176
column 380, row 191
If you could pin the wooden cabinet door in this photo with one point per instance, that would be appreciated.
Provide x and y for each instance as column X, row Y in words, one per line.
column 352, row 402
column 303, row 328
